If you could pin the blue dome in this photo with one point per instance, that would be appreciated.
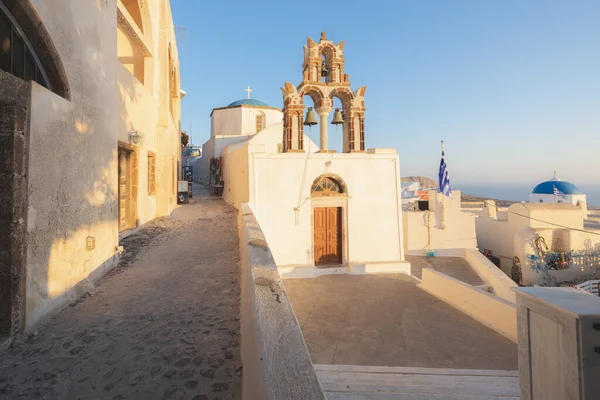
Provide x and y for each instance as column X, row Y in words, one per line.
column 248, row 102
column 548, row 187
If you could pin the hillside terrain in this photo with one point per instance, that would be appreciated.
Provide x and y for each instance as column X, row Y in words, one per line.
column 427, row 183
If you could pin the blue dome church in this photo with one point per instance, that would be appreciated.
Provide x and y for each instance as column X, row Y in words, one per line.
column 556, row 190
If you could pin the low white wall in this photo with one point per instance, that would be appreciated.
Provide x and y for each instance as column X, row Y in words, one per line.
column 458, row 233
column 501, row 284
column 496, row 235
column 494, row 312
column 276, row 362
column 558, row 339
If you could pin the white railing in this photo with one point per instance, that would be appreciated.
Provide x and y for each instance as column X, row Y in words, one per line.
column 590, row 287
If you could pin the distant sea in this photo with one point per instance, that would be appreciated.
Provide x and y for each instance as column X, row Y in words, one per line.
column 518, row 191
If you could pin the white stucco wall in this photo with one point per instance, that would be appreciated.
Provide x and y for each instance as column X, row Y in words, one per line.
column 558, row 224
column 235, row 176
column 231, row 125
column 240, row 120
column 138, row 101
column 210, row 149
column 372, row 218
column 73, row 184
column 73, row 164
column 235, row 161
column 449, row 227
column 495, row 235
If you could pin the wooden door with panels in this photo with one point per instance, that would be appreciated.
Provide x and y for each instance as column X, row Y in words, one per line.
column 328, row 235
column 124, row 189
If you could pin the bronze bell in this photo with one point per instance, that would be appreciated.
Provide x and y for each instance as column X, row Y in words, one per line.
column 337, row 117
column 310, row 119
column 324, row 70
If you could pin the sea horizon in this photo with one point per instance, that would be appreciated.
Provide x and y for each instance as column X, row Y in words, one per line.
column 518, row 191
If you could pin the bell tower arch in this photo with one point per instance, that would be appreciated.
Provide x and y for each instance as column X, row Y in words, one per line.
column 323, row 79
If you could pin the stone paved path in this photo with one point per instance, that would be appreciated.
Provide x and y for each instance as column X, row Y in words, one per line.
column 163, row 325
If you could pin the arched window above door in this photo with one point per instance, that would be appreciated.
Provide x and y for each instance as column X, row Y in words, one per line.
column 327, row 185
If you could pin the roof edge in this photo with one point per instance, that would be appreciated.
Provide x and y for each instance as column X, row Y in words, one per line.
column 245, row 106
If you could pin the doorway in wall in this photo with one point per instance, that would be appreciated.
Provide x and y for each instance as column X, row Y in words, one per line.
column 328, row 197
column 328, row 235
column 128, row 188
column 124, row 189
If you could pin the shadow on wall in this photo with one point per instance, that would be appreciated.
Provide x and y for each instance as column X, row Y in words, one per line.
column 73, row 165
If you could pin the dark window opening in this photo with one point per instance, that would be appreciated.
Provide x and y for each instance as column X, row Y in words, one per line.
column 16, row 54
column 423, row 205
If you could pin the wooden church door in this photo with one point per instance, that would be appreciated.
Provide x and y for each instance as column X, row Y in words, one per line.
column 328, row 235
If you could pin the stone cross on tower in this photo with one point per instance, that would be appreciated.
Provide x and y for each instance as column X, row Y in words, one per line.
column 248, row 90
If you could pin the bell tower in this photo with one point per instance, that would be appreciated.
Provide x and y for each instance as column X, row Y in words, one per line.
column 323, row 78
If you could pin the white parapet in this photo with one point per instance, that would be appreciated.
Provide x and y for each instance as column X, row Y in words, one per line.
column 559, row 344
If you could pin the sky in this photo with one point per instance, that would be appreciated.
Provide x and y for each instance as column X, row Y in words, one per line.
column 511, row 86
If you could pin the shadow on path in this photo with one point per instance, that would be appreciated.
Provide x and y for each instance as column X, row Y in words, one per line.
column 164, row 324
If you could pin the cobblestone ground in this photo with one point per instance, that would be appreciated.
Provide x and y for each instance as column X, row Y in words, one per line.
column 164, row 324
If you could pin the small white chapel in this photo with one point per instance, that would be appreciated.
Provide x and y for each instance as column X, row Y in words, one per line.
column 556, row 190
column 237, row 122
column 316, row 207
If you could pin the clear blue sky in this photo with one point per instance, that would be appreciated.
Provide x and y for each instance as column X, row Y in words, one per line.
column 512, row 86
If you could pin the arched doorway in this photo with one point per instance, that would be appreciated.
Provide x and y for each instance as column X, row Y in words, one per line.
column 328, row 195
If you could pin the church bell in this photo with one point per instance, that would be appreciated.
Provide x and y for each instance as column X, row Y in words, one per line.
column 310, row 119
column 337, row 117
column 324, row 70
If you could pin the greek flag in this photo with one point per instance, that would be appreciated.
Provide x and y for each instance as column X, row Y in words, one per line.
column 443, row 179
column 559, row 193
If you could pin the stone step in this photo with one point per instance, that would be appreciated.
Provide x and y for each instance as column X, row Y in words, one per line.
column 349, row 382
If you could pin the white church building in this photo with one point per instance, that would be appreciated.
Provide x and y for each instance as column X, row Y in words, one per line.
column 235, row 123
column 556, row 190
column 315, row 206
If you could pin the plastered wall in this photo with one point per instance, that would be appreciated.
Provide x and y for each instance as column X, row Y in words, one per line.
column 558, row 224
column 73, row 168
column 72, row 227
column 445, row 226
column 280, row 186
column 240, row 120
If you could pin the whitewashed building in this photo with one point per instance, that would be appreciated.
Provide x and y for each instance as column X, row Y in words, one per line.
column 539, row 240
column 232, row 124
column 556, row 190
column 90, row 109
column 318, row 207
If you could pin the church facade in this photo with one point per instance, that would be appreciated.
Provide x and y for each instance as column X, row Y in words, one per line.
column 317, row 207
column 89, row 106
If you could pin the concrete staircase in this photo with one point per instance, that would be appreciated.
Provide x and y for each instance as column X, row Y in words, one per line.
column 350, row 382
